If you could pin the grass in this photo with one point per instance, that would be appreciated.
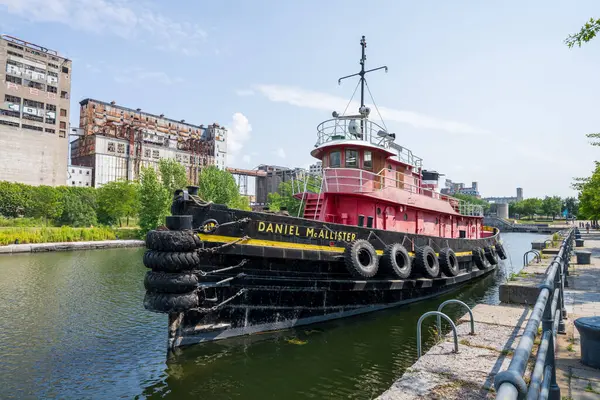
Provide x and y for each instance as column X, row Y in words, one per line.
column 570, row 347
column 590, row 389
column 520, row 274
column 63, row 234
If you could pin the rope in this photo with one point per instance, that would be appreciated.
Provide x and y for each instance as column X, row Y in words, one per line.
column 350, row 101
column 200, row 202
column 375, row 104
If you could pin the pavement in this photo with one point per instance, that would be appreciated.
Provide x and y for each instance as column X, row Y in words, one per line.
column 67, row 246
column 469, row 374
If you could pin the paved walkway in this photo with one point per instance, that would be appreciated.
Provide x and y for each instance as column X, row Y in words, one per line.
column 469, row 374
column 66, row 246
column 582, row 299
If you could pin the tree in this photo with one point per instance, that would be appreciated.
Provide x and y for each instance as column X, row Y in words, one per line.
column 551, row 206
column 45, row 202
column 79, row 206
column 154, row 200
column 516, row 208
column 571, row 204
column 531, row 207
column 587, row 33
column 589, row 197
column 284, row 197
column 116, row 200
column 172, row 175
column 219, row 187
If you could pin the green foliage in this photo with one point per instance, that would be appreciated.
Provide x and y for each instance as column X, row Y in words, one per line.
column 532, row 206
column 587, row 33
column 79, row 206
column 154, row 200
column 219, row 187
column 589, row 197
column 473, row 200
column 551, row 206
column 45, row 202
column 172, row 174
column 63, row 234
column 284, row 197
column 117, row 200
column 14, row 199
column 21, row 222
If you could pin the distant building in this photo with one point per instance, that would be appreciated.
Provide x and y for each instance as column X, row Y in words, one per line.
column 316, row 168
column 506, row 200
column 34, row 113
column 79, row 176
column 452, row 188
column 117, row 141
column 275, row 175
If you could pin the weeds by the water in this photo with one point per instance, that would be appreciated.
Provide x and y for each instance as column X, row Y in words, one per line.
column 63, row 234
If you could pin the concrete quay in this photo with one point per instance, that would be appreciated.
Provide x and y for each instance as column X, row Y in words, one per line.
column 68, row 246
column 469, row 374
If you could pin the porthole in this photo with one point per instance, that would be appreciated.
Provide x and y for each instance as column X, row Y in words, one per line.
column 437, row 221
column 378, row 211
column 405, row 217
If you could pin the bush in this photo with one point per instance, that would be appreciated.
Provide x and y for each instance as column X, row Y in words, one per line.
column 63, row 234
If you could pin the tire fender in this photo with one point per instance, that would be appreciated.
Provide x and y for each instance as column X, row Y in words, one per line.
column 479, row 257
column 396, row 260
column 360, row 259
column 427, row 261
column 448, row 262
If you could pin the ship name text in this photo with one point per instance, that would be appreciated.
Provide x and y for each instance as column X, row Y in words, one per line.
column 304, row 231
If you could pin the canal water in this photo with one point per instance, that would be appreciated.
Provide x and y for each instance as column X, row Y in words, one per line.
column 72, row 325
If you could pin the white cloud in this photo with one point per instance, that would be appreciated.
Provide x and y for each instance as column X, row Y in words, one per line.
column 322, row 101
column 138, row 74
column 123, row 18
column 238, row 134
column 246, row 158
column 244, row 92
column 280, row 153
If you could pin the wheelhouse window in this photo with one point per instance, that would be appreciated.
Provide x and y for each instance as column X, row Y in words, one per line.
column 335, row 159
column 368, row 160
column 351, row 159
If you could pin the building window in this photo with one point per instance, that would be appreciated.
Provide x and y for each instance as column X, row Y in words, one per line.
column 33, row 103
column 368, row 160
column 33, row 117
column 65, row 70
column 155, row 154
column 351, row 159
column 87, row 172
column 9, row 123
column 14, row 79
column 48, row 130
column 335, row 159
column 32, row 127
column 10, row 113
column 121, row 148
column 64, row 95
column 87, row 184
column 53, row 66
column 147, row 153
column 62, row 133
column 12, row 53
column 51, row 121
column 111, row 147
column 62, row 125
column 51, row 89
column 73, row 183
column 12, row 99
column 63, row 112
column 50, row 107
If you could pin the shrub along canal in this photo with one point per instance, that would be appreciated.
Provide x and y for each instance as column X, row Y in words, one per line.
column 73, row 326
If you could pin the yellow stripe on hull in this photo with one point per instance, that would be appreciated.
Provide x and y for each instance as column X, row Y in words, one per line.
column 289, row 245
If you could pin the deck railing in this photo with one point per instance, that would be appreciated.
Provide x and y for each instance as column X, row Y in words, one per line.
column 550, row 310
column 338, row 129
column 351, row 180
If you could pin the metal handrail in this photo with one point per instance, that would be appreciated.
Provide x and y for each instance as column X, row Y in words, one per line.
column 536, row 254
column 454, row 301
column 439, row 314
column 549, row 311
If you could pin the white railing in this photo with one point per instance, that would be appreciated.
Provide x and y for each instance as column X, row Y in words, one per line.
column 338, row 129
column 350, row 180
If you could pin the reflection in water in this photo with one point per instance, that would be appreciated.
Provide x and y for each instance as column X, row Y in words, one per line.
column 73, row 326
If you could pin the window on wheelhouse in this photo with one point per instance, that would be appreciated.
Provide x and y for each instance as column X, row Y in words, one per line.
column 335, row 159
column 351, row 159
column 367, row 161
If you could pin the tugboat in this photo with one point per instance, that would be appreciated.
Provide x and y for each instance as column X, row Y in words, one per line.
column 373, row 234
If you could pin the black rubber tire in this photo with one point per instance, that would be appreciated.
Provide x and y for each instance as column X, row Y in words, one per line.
column 360, row 259
column 167, row 282
column 397, row 261
column 490, row 255
column 171, row 240
column 479, row 257
column 169, row 302
column 168, row 261
column 500, row 250
column 427, row 262
column 448, row 262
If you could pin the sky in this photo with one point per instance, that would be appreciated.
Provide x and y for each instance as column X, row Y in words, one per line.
column 482, row 91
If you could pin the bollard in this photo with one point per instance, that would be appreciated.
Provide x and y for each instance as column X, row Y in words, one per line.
column 583, row 256
column 578, row 242
column 589, row 330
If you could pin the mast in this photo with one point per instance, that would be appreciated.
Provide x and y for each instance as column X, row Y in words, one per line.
column 362, row 72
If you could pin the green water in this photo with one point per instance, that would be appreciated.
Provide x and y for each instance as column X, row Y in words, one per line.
column 72, row 325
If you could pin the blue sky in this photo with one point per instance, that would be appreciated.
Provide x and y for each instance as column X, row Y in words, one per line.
column 482, row 91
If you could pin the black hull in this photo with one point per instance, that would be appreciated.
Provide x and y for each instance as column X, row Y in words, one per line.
column 293, row 273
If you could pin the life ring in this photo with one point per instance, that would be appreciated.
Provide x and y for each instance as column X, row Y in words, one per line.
column 500, row 250
column 427, row 261
column 448, row 262
column 490, row 254
column 397, row 261
column 361, row 259
column 479, row 257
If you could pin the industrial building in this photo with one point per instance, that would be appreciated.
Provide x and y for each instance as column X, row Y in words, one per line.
column 116, row 142
column 271, row 178
column 506, row 200
column 316, row 168
column 34, row 113
column 79, row 176
column 452, row 188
